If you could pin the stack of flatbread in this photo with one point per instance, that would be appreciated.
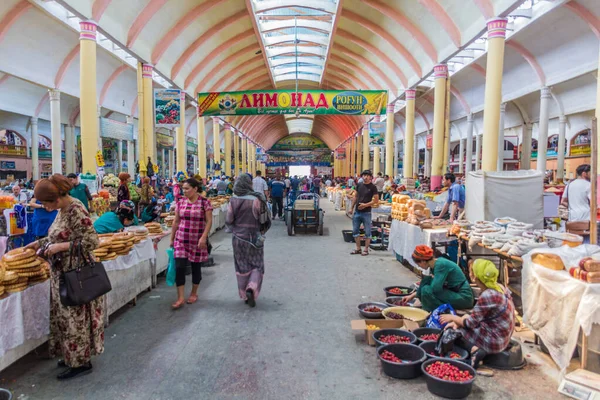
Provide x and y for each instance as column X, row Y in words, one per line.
column 154, row 228
column 122, row 243
column 139, row 233
column 21, row 268
column 169, row 221
column 103, row 252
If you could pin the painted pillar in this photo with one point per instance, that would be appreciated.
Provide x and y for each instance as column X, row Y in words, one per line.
column 201, row 146
column 130, row 158
column 69, row 149
column 527, row 134
column 55, row 131
column 365, row 148
column 359, row 155
column 172, row 162
column 228, row 150
column 469, row 146
column 252, row 158
column 416, row 157
column 493, row 92
column 149, row 137
column 478, row 152
column 119, row 166
column 350, row 156
column 244, row 166
column 141, row 145
column 560, row 164
column 35, row 144
column 180, row 140
column 88, row 100
column 439, row 110
column 216, row 141
column 396, row 147
column 427, row 162
column 236, row 153
column 447, row 131
column 543, row 129
column 164, row 161
column 389, row 138
column 461, row 152
column 500, row 161
column 409, row 134
column 376, row 160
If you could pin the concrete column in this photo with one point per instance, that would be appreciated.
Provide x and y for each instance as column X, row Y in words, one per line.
column 365, row 148
column 141, row 146
column 228, row 149
column 88, row 100
column 119, row 166
column 244, row 165
column 172, row 169
column 180, row 139
column 477, row 152
column 201, row 146
column 389, row 138
column 236, row 153
column 543, row 129
column 35, row 140
column 163, row 156
column 216, row 141
column 416, row 157
column 251, row 158
column 376, row 160
column 396, row 145
column 439, row 111
column 149, row 136
column 527, row 134
column 55, row 130
column 350, row 155
column 409, row 134
column 469, row 146
column 500, row 162
column 493, row 92
column 69, row 149
column 461, row 152
column 427, row 162
column 359, row 155
column 130, row 158
column 560, row 165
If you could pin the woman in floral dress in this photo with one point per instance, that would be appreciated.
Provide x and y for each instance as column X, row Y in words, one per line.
column 189, row 238
column 76, row 333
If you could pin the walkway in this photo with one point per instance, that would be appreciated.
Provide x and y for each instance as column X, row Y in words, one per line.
column 296, row 344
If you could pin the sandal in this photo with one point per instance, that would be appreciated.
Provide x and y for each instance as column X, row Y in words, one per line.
column 192, row 299
column 178, row 304
column 365, row 253
column 476, row 357
column 356, row 252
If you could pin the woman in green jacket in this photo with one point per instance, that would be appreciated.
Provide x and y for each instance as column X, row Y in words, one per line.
column 112, row 222
column 446, row 283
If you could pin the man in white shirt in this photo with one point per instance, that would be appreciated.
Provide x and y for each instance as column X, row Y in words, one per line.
column 215, row 182
column 379, row 182
column 260, row 185
column 328, row 182
column 350, row 182
column 20, row 197
column 577, row 198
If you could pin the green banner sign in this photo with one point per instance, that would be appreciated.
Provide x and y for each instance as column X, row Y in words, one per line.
column 318, row 102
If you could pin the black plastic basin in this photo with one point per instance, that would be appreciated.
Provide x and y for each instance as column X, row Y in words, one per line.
column 448, row 389
column 429, row 347
column 412, row 357
column 399, row 332
column 426, row 331
column 406, row 289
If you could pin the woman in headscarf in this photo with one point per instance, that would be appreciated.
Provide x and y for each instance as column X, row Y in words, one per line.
column 445, row 283
column 488, row 328
column 111, row 222
column 248, row 219
column 123, row 191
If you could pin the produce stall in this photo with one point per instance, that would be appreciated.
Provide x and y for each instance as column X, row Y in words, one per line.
column 404, row 237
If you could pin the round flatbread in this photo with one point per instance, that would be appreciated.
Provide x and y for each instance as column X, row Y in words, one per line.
column 31, row 264
column 20, row 262
column 15, row 289
column 10, row 277
column 104, row 243
column 18, row 254
column 31, row 273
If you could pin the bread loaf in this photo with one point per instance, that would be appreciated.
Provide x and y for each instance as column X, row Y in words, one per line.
column 550, row 261
column 591, row 265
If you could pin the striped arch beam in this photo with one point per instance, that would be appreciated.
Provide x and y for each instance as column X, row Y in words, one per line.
column 357, row 57
column 142, row 19
column 438, row 12
column 530, row 58
column 12, row 16
column 582, row 12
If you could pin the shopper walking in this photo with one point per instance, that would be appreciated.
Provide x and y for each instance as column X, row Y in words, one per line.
column 277, row 189
column 76, row 332
column 146, row 194
column 248, row 219
column 366, row 197
column 577, row 198
column 260, row 185
column 80, row 191
column 189, row 238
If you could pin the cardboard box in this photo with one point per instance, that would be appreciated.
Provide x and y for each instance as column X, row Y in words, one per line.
column 361, row 325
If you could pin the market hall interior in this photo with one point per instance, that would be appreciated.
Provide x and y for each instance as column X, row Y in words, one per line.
column 406, row 89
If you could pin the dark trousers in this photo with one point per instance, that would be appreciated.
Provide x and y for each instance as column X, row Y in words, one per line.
column 180, row 266
column 277, row 206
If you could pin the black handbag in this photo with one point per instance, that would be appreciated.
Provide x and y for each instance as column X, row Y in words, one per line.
column 86, row 282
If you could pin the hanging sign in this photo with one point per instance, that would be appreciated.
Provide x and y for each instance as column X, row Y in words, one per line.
column 582, row 149
column 305, row 102
column 165, row 140
column 109, row 128
column 429, row 141
column 299, row 142
column 377, row 133
column 192, row 148
column 340, row 153
column 167, row 108
column 99, row 159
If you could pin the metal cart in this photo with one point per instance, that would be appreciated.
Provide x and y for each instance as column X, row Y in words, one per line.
column 304, row 212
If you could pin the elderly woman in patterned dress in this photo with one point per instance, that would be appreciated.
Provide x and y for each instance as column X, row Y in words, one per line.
column 77, row 332
column 248, row 219
column 189, row 238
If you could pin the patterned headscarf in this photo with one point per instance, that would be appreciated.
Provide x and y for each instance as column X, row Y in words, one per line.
column 243, row 187
column 422, row 253
column 127, row 204
column 487, row 273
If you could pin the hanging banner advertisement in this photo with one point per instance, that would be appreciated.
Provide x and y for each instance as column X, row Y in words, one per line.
column 377, row 133
column 109, row 128
column 314, row 158
column 323, row 170
column 582, row 149
column 429, row 141
column 306, row 102
column 164, row 140
column 167, row 108
column 192, row 148
column 299, row 142
column 340, row 153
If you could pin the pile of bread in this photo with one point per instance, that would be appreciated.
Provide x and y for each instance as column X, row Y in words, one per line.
column 409, row 210
column 588, row 270
column 20, row 268
column 218, row 201
column 139, row 233
column 113, row 245
column 168, row 218
column 154, row 228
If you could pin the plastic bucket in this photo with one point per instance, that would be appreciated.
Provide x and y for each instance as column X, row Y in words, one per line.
column 448, row 389
column 412, row 357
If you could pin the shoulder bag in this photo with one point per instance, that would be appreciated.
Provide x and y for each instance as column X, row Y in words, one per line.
column 86, row 282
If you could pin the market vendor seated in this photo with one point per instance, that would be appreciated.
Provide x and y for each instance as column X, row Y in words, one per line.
column 111, row 222
column 445, row 284
column 489, row 327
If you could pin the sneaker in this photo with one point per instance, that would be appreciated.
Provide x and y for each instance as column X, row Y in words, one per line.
column 250, row 296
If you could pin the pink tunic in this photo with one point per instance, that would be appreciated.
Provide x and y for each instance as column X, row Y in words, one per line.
column 191, row 227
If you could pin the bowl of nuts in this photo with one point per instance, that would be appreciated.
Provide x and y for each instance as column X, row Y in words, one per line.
column 372, row 310
column 400, row 291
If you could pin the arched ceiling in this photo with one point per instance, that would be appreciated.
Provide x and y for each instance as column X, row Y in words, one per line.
column 219, row 45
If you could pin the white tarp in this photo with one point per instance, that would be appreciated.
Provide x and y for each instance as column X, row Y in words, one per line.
column 556, row 305
column 516, row 194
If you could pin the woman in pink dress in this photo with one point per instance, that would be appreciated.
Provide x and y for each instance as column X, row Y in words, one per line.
column 189, row 238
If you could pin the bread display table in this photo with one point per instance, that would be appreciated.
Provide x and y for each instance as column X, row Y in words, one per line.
column 161, row 262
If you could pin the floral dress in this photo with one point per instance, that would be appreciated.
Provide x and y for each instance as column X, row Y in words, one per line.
column 76, row 333
column 192, row 222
